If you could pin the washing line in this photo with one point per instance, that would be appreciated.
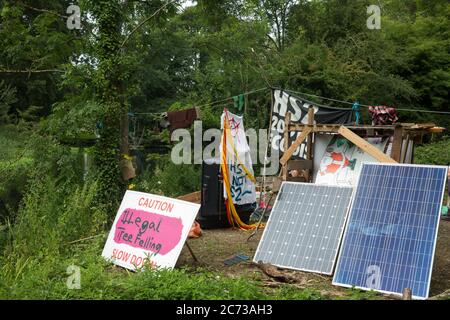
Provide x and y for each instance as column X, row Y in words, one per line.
column 299, row 93
column 364, row 105
column 231, row 98
column 210, row 103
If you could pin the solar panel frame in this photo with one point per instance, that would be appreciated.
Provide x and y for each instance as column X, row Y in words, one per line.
column 341, row 232
column 349, row 217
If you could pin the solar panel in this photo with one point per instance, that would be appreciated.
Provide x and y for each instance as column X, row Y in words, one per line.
column 305, row 227
column 391, row 232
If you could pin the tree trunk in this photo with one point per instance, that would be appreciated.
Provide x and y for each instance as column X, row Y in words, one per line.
column 113, row 141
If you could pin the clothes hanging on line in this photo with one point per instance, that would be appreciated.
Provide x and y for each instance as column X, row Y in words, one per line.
column 239, row 102
column 182, row 119
column 382, row 115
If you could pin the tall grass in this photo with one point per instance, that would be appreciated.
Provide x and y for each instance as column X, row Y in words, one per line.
column 58, row 225
column 58, row 228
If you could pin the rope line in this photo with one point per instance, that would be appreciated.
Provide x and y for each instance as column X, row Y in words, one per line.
column 211, row 103
column 364, row 105
column 219, row 103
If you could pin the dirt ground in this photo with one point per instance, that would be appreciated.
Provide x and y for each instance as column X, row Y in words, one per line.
column 217, row 245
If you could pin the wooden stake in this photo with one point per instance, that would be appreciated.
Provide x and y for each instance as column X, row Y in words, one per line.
column 407, row 294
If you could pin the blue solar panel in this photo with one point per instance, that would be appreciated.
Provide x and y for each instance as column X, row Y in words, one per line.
column 390, row 237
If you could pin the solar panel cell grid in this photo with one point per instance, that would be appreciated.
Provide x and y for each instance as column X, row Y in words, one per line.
column 305, row 227
column 391, row 234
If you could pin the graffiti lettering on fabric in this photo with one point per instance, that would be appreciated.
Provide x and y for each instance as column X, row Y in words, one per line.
column 285, row 102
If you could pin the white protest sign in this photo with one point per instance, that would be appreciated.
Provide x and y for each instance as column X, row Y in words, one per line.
column 149, row 230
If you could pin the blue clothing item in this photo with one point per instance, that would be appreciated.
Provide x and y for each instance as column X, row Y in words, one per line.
column 356, row 106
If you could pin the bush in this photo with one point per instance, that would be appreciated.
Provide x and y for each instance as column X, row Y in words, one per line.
column 436, row 153
column 27, row 153
column 169, row 179
column 15, row 166
column 49, row 218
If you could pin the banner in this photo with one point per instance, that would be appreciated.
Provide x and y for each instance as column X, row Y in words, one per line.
column 285, row 102
column 149, row 231
column 342, row 161
column 238, row 159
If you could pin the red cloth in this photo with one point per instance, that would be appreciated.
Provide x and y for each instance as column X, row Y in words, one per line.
column 181, row 119
column 382, row 115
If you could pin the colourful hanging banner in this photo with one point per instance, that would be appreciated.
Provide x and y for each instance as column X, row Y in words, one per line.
column 236, row 165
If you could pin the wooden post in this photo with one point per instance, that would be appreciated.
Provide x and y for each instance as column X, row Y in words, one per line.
column 407, row 294
column 287, row 121
column 310, row 154
column 405, row 151
column 397, row 143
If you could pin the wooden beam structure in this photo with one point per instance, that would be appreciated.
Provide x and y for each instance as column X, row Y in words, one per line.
column 397, row 144
column 288, row 154
column 413, row 132
column 194, row 197
column 310, row 146
column 405, row 149
column 364, row 145
column 411, row 128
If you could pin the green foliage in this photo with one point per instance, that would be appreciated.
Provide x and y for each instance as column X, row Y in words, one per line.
column 437, row 153
column 169, row 179
column 42, row 246
column 7, row 99
column 187, row 285
column 423, row 40
column 16, row 163
column 51, row 216
column 293, row 293
column 36, row 46
column 45, row 278
column 74, row 119
column 108, row 81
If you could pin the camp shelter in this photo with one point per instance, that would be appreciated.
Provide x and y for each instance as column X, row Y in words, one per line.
column 368, row 143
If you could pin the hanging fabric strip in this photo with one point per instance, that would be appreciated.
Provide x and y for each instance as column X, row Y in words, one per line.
column 239, row 162
column 227, row 139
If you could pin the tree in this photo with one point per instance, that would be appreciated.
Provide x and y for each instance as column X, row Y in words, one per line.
column 36, row 46
column 276, row 13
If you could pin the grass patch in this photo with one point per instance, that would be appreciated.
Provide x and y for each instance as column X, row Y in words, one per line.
column 45, row 277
